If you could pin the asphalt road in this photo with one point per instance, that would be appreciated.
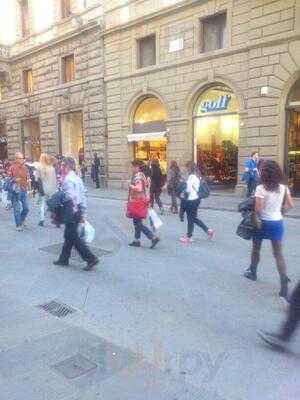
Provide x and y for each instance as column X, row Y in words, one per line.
column 185, row 312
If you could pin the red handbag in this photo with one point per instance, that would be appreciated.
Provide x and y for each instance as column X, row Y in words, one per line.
column 138, row 208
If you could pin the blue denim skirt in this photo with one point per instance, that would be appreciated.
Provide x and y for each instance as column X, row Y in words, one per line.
column 271, row 230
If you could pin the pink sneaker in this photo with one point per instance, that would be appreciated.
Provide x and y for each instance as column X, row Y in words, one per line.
column 186, row 240
column 210, row 234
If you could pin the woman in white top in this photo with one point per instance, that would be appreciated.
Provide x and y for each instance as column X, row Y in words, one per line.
column 192, row 202
column 48, row 184
column 271, row 197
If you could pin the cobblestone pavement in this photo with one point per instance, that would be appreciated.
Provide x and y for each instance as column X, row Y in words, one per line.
column 177, row 322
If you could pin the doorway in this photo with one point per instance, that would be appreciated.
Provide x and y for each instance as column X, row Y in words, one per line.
column 71, row 140
column 30, row 129
column 3, row 143
column 293, row 139
column 216, row 136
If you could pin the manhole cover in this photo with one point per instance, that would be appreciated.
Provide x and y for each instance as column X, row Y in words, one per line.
column 57, row 308
column 56, row 250
column 75, row 366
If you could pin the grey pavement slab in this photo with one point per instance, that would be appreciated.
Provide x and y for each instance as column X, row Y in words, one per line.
column 185, row 312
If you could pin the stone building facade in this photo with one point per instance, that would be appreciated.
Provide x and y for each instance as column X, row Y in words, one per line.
column 255, row 70
column 55, row 114
column 178, row 80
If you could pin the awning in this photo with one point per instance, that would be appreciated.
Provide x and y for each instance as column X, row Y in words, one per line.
column 136, row 137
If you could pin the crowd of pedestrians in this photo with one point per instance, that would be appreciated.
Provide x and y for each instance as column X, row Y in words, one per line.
column 58, row 184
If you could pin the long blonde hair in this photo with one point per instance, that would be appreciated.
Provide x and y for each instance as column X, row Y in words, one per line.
column 45, row 166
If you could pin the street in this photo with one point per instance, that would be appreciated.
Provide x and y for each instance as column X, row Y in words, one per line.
column 174, row 323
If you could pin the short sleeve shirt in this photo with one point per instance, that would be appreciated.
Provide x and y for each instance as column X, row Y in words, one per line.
column 273, row 202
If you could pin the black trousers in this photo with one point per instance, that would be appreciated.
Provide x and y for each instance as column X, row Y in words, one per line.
column 293, row 320
column 191, row 208
column 97, row 180
column 72, row 239
column 140, row 228
column 155, row 197
column 251, row 185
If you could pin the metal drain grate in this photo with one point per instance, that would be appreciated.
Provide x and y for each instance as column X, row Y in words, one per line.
column 75, row 367
column 57, row 308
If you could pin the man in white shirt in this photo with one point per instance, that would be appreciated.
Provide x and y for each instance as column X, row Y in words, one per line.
column 75, row 192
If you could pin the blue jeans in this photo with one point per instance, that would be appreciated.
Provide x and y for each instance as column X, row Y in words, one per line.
column 20, row 202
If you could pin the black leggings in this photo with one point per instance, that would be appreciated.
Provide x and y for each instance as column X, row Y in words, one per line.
column 277, row 252
column 294, row 315
column 140, row 228
column 191, row 209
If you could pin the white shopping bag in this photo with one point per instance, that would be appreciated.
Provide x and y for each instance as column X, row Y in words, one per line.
column 156, row 221
column 87, row 232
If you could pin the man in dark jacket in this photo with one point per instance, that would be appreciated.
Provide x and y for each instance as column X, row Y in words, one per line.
column 73, row 213
column 96, row 170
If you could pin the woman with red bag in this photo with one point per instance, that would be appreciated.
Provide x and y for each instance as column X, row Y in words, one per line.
column 138, row 205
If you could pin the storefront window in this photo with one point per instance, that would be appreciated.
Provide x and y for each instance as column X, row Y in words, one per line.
column 71, row 134
column 293, row 120
column 216, row 132
column 3, row 142
column 31, row 138
column 149, row 131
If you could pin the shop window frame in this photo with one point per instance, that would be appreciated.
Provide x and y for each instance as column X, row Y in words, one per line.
column 196, row 117
column 201, row 34
column 63, row 66
column 65, row 9
column 25, row 82
column 22, row 134
column 59, row 127
column 139, row 41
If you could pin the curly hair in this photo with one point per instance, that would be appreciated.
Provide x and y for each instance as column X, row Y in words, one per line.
column 271, row 175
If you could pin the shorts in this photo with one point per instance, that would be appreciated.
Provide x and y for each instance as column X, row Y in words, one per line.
column 270, row 230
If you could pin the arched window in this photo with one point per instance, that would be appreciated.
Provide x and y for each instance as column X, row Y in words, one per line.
column 293, row 138
column 216, row 134
column 150, row 116
column 149, row 132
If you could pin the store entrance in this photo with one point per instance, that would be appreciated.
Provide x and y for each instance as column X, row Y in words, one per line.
column 294, row 151
column 71, row 141
column 31, row 139
column 148, row 150
column 293, row 139
column 3, row 143
column 216, row 135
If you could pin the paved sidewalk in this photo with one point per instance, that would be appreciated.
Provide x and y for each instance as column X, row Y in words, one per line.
column 221, row 201
column 47, row 358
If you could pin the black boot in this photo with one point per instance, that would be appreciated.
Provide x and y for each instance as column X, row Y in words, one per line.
column 284, row 282
column 251, row 273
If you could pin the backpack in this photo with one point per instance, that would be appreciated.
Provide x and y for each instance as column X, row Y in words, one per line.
column 10, row 186
column 203, row 191
column 180, row 188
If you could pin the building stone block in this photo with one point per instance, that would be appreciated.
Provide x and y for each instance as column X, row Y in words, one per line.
column 280, row 27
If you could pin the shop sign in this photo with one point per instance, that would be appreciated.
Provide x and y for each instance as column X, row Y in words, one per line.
column 220, row 104
column 175, row 45
column 3, row 140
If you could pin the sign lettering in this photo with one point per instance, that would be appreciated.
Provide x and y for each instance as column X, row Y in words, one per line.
column 220, row 104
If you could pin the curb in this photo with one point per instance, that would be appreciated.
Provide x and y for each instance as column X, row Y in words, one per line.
column 222, row 209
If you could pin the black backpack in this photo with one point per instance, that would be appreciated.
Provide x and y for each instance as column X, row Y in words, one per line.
column 203, row 191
